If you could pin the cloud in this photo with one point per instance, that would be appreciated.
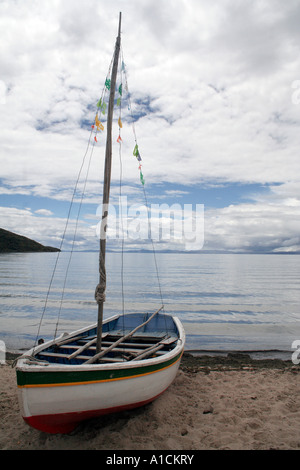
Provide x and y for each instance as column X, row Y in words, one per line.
column 49, row 230
column 269, row 225
column 45, row 212
column 211, row 90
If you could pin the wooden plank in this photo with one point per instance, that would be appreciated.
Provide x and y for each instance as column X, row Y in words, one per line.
column 50, row 355
column 67, row 340
column 137, row 347
column 59, row 355
column 127, row 344
column 102, row 353
column 80, row 350
column 85, row 346
column 156, row 347
column 120, row 349
column 148, row 352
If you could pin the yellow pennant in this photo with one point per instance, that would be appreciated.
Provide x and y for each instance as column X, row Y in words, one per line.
column 100, row 126
column 120, row 122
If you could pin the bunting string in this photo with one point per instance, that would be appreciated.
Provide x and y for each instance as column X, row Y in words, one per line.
column 136, row 153
column 98, row 126
column 122, row 95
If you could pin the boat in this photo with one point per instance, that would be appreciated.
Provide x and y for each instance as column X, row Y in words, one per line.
column 120, row 363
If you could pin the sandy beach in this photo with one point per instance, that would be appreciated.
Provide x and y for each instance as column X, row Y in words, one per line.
column 219, row 403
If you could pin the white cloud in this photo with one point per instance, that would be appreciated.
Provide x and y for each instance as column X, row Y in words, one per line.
column 48, row 230
column 260, row 226
column 45, row 212
column 216, row 82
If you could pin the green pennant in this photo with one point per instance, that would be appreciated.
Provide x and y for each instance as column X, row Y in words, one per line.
column 120, row 89
column 118, row 101
column 103, row 108
column 142, row 178
column 99, row 104
column 107, row 83
column 136, row 150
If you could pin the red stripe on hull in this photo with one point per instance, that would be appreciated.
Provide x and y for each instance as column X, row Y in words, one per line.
column 64, row 423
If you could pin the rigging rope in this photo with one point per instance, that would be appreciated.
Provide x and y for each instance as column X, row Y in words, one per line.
column 95, row 128
column 119, row 140
column 62, row 240
column 142, row 181
column 74, row 238
column 94, row 132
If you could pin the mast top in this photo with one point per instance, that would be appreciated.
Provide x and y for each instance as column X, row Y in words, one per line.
column 120, row 18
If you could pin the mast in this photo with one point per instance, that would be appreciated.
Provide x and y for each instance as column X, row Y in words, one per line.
column 101, row 287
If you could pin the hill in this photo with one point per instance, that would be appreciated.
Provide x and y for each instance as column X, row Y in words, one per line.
column 12, row 243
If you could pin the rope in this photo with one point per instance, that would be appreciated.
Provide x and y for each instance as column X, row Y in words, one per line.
column 144, row 191
column 153, row 248
column 121, row 227
column 92, row 132
column 120, row 205
column 74, row 238
column 100, row 288
column 62, row 241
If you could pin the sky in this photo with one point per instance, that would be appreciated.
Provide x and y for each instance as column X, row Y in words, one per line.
column 214, row 98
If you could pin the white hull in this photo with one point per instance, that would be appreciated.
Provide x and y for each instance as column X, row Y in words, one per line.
column 94, row 389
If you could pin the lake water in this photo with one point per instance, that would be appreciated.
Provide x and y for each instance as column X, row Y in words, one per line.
column 225, row 302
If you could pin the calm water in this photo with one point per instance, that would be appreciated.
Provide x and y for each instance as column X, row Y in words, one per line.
column 226, row 302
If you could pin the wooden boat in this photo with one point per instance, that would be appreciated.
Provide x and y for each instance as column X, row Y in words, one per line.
column 121, row 363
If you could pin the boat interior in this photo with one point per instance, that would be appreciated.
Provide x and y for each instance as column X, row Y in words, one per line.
column 156, row 338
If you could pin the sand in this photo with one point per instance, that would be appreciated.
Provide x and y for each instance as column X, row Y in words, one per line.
column 213, row 404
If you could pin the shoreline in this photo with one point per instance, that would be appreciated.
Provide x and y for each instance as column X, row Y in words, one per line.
column 232, row 360
column 199, row 358
column 231, row 402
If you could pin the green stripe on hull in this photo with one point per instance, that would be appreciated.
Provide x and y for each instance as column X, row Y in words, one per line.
column 36, row 378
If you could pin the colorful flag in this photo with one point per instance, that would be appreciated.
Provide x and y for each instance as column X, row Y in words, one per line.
column 142, row 178
column 119, row 139
column 135, row 150
column 107, row 83
column 99, row 125
column 120, row 89
column 120, row 122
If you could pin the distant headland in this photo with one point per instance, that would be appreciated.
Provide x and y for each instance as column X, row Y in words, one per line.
column 12, row 243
